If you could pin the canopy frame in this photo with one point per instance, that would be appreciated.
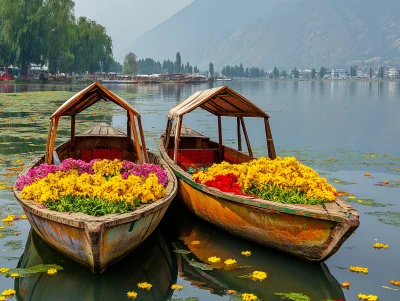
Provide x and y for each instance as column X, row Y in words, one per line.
column 85, row 99
column 221, row 101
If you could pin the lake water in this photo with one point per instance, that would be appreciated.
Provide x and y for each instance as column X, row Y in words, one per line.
column 342, row 129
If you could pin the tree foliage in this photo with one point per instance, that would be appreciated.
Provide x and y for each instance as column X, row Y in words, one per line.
column 240, row 71
column 275, row 73
column 211, row 69
column 313, row 73
column 322, row 72
column 178, row 63
column 130, row 66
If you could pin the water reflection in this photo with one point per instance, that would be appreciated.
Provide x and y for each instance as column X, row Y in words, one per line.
column 285, row 273
column 152, row 262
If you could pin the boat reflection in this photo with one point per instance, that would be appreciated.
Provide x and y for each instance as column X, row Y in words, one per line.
column 153, row 261
column 285, row 273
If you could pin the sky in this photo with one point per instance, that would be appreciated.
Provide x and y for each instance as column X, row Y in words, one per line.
column 126, row 20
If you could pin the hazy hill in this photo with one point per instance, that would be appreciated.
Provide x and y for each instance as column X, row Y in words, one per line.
column 286, row 33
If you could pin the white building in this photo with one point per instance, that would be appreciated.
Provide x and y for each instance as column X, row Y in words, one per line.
column 393, row 74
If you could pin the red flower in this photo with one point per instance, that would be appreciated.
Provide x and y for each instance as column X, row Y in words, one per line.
column 226, row 183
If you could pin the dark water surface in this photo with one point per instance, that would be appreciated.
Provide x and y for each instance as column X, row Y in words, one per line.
column 342, row 129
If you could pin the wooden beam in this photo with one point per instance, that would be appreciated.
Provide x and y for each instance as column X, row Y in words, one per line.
column 270, row 142
column 72, row 133
column 46, row 155
column 129, row 132
column 246, row 137
column 146, row 156
column 136, row 137
column 239, row 135
column 167, row 133
column 177, row 139
column 52, row 141
column 220, row 138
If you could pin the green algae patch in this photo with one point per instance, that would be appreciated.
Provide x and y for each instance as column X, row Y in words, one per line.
column 388, row 217
column 294, row 296
column 40, row 268
column 13, row 245
column 201, row 266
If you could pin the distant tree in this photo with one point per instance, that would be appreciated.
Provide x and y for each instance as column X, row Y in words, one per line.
column 322, row 72
column 370, row 72
column 353, row 71
column 195, row 69
column 381, row 73
column 130, row 66
column 313, row 73
column 178, row 63
column 295, row 73
column 115, row 67
column 211, row 69
column 284, row 73
column 276, row 73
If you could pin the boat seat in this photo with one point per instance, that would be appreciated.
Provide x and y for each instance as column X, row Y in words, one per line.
column 88, row 155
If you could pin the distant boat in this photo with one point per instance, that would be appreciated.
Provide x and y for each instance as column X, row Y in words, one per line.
column 118, row 81
column 224, row 79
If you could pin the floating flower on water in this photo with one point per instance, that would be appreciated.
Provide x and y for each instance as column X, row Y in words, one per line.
column 352, row 197
column 51, row 271
column 379, row 245
column 368, row 297
column 145, row 285
column 4, row 270
column 248, row 297
column 246, row 253
column 8, row 219
column 8, row 293
column 360, row 201
column 195, row 242
column 346, row 285
column 386, row 182
column 14, row 275
column 131, row 295
column 177, row 287
column 230, row 261
column 231, row 292
column 214, row 259
column 16, row 218
column 258, row 276
column 2, row 298
column 396, row 283
column 23, row 216
column 1, row 227
column 336, row 181
column 357, row 269
column 367, row 174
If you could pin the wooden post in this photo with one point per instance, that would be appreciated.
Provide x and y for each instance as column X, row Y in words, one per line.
column 167, row 133
column 146, row 156
column 270, row 142
column 239, row 135
column 246, row 137
column 129, row 132
column 177, row 139
column 46, row 155
column 135, row 136
column 52, row 141
column 220, row 138
column 72, row 133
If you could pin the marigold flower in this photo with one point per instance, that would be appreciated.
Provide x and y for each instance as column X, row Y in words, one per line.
column 258, row 276
column 346, row 285
column 367, row 174
column 231, row 292
column 195, row 242
column 8, row 219
column 177, row 287
column 1, row 227
column 23, row 216
column 52, row 271
column 131, row 295
column 2, row 298
column 357, row 269
column 4, row 270
column 230, row 262
column 14, row 275
column 379, row 245
column 214, row 259
column 8, row 293
column 145, row 285
column 368, row 297
column 396, row 283
column 248, row 297
column 246, row 253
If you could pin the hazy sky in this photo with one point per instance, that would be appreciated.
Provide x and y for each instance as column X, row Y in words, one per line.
column 125, row 20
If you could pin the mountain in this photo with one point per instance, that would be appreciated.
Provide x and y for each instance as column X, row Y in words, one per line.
column 285, row 33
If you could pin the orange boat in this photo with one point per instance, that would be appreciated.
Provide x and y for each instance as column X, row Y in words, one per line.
column 311, row 232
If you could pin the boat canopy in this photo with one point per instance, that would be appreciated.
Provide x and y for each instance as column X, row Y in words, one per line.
column 83, row 100
column 221, row 101
column 89, row 96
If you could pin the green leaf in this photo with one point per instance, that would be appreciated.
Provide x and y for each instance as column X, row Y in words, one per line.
column 200, row 265
column 40, row 268
column 294, row 296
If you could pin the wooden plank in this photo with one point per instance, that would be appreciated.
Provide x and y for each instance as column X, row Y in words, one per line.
column 110, row 131
column 239, row 135
column 168, row 133
column 146, row 157
column 270, row 142
column 52, row 141
column 103, row 130
column 46, row 155
column 177, row 139
column 136, row 137
column 246, row 137
column 72, row 133
column 220, row 153
column 129, row 132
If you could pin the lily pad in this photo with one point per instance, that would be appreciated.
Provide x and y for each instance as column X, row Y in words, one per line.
column 294, row 296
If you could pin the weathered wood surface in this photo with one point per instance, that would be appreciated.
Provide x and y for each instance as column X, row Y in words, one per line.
column 103, row 129
column 309, row 232
column 97, row 242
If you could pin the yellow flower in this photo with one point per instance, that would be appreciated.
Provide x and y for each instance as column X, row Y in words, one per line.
column 346, row 285
column 23, row 216
column 248, row 297
column 1, row 227
column 177, row 287
column 51, row 271
column 396, row 283
column 214, row 259
column 132, row 295
column 8, row 219
column 246, row 253
column 231, row 292
column 379, row 245
column 259, row 276
column 8, row 293
column 4, row 270
column 14, row 275
column 230, row 262
column 2, row 298
column 368, row 297
column 358, row 269
column 195, row 242
column 352, row 197
column 359, row 201
column 145, row 285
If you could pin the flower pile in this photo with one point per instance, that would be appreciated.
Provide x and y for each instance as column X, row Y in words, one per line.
column 282, row 180
column 368, row 297
column 96, row 188
column 358, row 269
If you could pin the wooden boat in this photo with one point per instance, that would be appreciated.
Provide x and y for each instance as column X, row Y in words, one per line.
column 145, row 264
column 310, row 232
column 97, row 242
